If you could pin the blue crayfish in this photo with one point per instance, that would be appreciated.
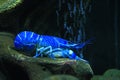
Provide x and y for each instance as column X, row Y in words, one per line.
column 45, row 45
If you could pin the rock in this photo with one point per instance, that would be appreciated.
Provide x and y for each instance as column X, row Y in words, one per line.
column 61, row 77
column 104, row 78
column 112, row 73
column 17, row 62
column 6, row 39
column 2, row 76
column 35, row 71
column 39, row 68
column 6, row 5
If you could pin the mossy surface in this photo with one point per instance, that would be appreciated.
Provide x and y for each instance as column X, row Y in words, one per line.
column 8, row 4
column 110, row 74
column 61, row 77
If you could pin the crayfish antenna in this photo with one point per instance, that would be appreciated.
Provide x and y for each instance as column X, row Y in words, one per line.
column 81, row 45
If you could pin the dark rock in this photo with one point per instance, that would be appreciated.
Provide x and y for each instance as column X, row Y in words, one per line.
column 2, row 76
column 43, row 20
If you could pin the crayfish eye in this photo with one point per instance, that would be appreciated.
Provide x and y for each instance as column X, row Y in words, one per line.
column 70, row 52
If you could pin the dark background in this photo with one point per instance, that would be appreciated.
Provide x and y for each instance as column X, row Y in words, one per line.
column 102, row 23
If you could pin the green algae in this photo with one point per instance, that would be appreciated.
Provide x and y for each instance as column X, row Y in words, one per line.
column 6, row 5
column 61, row 77
column 110, row 74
